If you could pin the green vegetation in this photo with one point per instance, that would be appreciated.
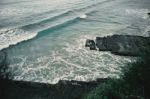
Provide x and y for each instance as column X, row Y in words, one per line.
column 134, row 83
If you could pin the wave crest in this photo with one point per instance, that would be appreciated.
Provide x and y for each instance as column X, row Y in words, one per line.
column 13, row 36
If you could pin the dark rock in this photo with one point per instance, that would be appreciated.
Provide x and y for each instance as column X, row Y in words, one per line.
column 4, row 66
column 90, row 44
column 62, row 90
column 2, row 57
column 101, row 43
column 123, row 44
column 148, row 14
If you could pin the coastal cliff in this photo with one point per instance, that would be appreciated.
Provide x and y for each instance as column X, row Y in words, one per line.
column 120, row 44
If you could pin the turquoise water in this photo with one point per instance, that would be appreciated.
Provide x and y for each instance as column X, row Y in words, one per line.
column 55, row 34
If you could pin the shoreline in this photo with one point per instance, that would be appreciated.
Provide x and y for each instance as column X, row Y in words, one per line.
column 62, row 90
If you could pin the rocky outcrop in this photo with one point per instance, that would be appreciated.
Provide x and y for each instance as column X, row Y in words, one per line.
column 10, row 89
column 4, row 65
column 91, row 44
column 62, row 90
column 2, row 57
column 122, row 44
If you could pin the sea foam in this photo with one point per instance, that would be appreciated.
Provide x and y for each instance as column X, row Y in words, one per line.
column 13, row 36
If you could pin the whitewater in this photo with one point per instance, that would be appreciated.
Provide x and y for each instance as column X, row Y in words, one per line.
column 48, row 36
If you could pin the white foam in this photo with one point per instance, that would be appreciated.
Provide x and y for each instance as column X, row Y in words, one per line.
column 83, row 16
column 146, row 31
column 13, row 36
column 71, row 62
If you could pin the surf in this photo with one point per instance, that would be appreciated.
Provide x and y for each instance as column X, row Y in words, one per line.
column 54, row 22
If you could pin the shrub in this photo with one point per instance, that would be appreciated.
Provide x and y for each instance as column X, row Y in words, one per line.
column 134, row 83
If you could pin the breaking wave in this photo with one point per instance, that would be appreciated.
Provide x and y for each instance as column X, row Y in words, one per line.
column 13, row 36
column 62, row 55
column 29, row 31
column 71, row 62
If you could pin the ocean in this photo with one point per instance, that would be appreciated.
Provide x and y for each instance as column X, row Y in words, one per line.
column 45, row 39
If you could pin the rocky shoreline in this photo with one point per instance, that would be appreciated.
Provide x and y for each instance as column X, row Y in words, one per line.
column 10, row 89
column 32, row 90
column 116, row 44
column 126, row 45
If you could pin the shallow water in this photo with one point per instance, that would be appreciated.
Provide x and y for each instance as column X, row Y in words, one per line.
column 57, row 31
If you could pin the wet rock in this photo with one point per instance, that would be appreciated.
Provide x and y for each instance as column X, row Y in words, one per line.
column 90, row 44
column 148, row 14
column 101, row 43
column 123, row 44
column 62, row 90
column 2, row 57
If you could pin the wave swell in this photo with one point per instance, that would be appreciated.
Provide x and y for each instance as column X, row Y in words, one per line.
column 42, row 27
column 13, row 36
